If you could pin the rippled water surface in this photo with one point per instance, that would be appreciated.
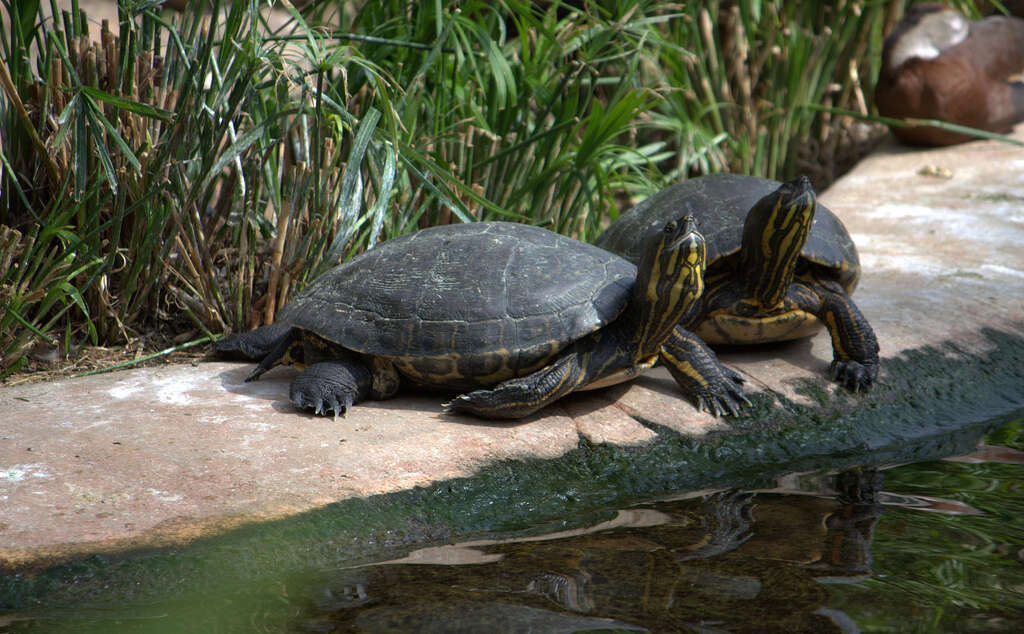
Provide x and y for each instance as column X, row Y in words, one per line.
column 932, row 547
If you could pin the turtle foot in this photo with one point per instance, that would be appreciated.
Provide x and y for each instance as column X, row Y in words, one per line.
column 724, row 396
column 330, row 387
column 487, row 404
column 461, row 403
column 326, row 406
column 522, row 396
column 856, row 376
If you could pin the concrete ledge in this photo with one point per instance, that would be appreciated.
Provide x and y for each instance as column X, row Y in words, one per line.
column 162, row 456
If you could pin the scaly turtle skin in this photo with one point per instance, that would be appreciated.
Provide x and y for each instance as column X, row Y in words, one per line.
column 525, row 313
column 780, row 266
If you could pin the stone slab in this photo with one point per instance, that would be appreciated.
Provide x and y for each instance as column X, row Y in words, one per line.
column 162, row 455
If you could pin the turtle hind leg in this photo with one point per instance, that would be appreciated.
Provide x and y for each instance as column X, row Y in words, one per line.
column 714, row 387
column 331, row 386
column 252, row 345
column 522, row 396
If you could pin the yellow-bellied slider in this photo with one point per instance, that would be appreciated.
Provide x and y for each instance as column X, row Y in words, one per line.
column 525, row 313
column 780, row 266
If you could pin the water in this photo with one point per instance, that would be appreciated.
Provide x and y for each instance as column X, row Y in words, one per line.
column 933, row 546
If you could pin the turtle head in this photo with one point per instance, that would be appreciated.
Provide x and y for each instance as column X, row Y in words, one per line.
column 670, row 280
column 774, row 234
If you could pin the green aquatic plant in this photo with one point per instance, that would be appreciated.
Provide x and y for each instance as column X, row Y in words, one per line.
column 185, row 172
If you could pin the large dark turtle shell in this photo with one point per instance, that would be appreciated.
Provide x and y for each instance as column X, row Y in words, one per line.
column 497, row 298
column 720, row 203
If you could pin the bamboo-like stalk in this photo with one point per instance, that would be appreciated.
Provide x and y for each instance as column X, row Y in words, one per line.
column 165, row 150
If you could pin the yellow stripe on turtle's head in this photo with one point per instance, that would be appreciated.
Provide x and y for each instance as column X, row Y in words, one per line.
column 774, row 234
column 670, row 280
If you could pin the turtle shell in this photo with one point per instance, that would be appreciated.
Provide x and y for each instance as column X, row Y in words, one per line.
column 720, row 203
column 466, row 304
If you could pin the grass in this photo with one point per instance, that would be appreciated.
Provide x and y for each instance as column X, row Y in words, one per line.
column 184, row 175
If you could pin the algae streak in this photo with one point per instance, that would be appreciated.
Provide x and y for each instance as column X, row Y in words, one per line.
column 930, row 402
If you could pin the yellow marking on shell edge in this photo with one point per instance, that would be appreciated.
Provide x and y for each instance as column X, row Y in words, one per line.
column 413, row 368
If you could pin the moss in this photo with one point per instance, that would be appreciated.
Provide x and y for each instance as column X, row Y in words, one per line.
column 931, row 402
column 999, row 197
column 959, row 273
column 814, row 391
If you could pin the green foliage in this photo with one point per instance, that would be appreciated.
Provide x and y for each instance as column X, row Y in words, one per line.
column 754, row 70
column 191, row 170
column 111, row 152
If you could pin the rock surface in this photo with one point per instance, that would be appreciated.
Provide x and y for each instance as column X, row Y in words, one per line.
column 163, row 455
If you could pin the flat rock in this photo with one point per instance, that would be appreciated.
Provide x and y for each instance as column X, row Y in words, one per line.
column 163, row 455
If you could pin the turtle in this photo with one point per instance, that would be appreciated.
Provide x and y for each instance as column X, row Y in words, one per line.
column 780, row 266
column 515, row 316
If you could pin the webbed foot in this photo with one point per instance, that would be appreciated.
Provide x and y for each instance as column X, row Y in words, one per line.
column 856, row 376
column 723, row 395
column 514, row 398
column 330, row 387
column 714, row 388
column 522, row 396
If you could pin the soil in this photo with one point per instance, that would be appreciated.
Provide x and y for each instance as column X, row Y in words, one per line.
column 46, row 363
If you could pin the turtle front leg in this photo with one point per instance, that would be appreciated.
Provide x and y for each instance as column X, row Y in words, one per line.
column 331, row 387
column 854, row 346
column 522, row 396
column 713, row 387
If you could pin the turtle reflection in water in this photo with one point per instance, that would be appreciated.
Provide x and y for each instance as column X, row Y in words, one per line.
column 662, row 567
column 780, row 266
column 522, row 312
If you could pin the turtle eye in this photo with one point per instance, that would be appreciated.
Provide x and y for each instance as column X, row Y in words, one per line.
column 670, row 228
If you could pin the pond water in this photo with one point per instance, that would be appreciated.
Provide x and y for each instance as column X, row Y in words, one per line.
column 933, row 546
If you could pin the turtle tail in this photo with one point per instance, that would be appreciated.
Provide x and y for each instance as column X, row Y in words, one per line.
column 253, row 345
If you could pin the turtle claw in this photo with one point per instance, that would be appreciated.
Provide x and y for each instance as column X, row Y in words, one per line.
column 321, row 406
column 330, row 388
column 454, row 405
column 471, row 403
column 730, row 397
column 336, row 409
column 724, row 398
column 855, row 376
column 331, row 407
